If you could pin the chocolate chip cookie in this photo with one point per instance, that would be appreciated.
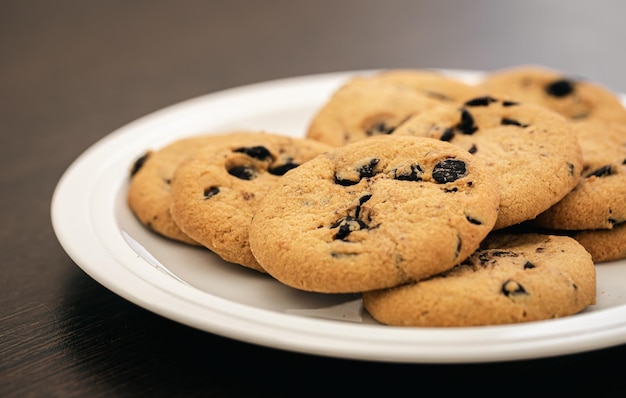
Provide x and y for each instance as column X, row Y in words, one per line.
column 531, row 150
column 599, row 199
column 431, row 83
column 574, row 97
column 150, row 176
column 364, row 107
column 510, row 279
column 604, row 244
column 215, row 192
column 374, row 213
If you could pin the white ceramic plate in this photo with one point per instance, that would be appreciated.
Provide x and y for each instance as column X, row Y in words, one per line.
column 194, row 287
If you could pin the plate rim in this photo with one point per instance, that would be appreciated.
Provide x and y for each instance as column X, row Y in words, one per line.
column 142, row 285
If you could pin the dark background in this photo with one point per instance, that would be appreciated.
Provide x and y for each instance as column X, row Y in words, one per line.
column 73, row 71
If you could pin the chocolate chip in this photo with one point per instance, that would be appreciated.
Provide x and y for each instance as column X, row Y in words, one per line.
column 257, row 152
column 367, row 170
column 414, row 173
column 447, row 135
column 571, row 168
column 511, row 122
column 362, row 199
column 282, row 169
column 560, row 88
column 365, row 198
column 503, row 253
column 352, row 177
column 139, row 164
column 242, row 172
column 473, row 220
column 346, row 226
column 473, row 149
column 210, row 192
column 466, row 126
column 481, row 101
column 529, row 265
column 342, row 255
column 380, row 128
column 513, row 288
column 344, row 182
column 449, row 170
column 602, row 171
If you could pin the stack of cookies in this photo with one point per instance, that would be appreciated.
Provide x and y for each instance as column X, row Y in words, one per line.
column 594, row 212
column 204, row 190
column 443, row 203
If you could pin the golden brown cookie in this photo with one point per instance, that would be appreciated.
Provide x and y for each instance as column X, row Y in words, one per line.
column 575, row 98
column 149, row 188
column 364, row 107
column 604, row 244
column 510, row 279
column 374, row 213
column 431, row 83
column 215, row 193
column 599, row 199
column 532, row 151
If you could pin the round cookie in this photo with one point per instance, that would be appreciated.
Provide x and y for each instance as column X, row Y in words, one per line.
column 602, row 142
column 572, row 97
column 599, row 199
column 365, row 107
column 604, row 245
column 532, row 151
column 374, row 213
column 148, row 194
column 215, row 192
column 510, row 279
column 431, row 83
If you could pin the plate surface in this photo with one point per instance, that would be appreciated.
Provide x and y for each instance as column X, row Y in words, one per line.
column 193, row 286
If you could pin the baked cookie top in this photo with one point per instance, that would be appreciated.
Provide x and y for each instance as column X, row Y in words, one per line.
column 575, row 98
column 431, row 83
column 510, row 279
column 364, row 107
column 148, row 194
column 604, row 244
column 532, row 152
column 599, row 199
column 215, row 192
column 374, row 213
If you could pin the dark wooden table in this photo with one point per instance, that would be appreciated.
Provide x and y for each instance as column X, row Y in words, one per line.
column 73, row 71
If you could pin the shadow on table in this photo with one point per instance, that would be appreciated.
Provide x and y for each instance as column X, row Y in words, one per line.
column 122, row 347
